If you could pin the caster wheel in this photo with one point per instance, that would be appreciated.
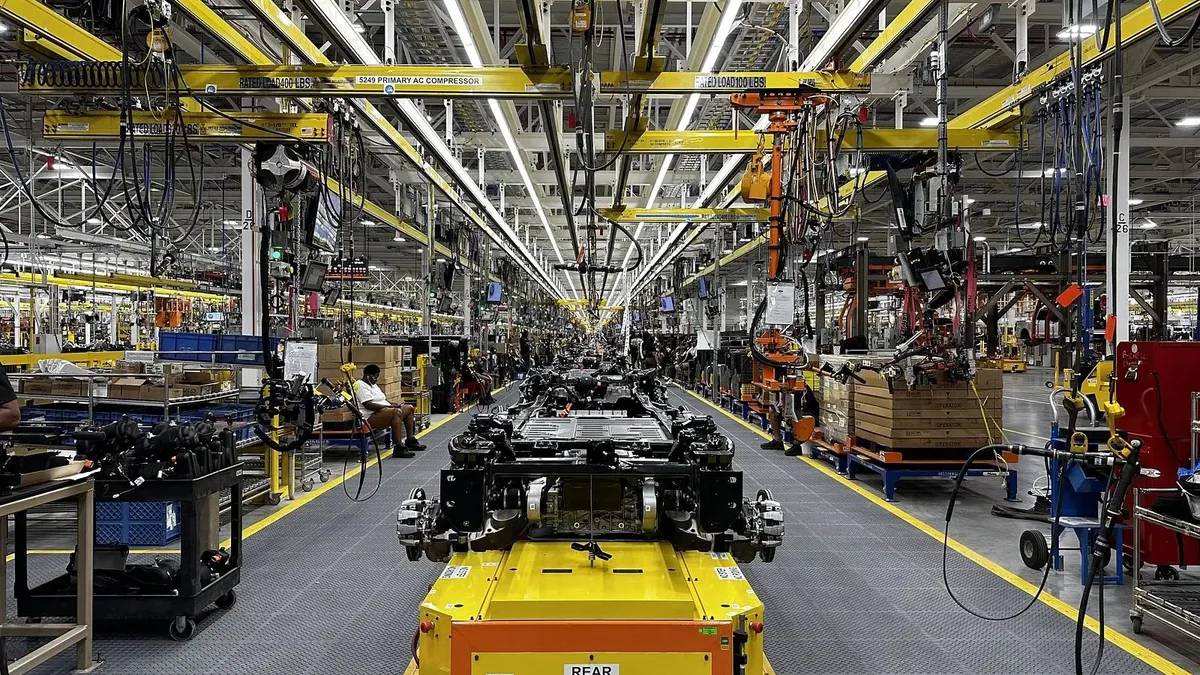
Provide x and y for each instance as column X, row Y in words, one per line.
column 323, row 474
column 228, row 600
column 417, row 493
column 1035, row 553
column 413, row 553
column 764, row 494
column 767, row 554
column 307, row 484
column 274, row 498
column 182, row 629
column 1166, row 573
column 1137, row 624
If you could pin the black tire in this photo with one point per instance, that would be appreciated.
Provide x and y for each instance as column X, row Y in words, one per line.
column 767, row 554
column 307, row 484
column 228, row 600
column 1137, row 624
column 274, row 498
column 182, row 628
column 413, row 553
column 1035, row 552
column 323, row 474
column 1166, row 573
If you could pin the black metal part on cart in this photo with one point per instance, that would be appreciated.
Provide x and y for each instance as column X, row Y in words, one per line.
column 56, row 598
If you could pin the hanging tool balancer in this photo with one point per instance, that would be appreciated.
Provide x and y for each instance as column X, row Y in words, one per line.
column 287, row 407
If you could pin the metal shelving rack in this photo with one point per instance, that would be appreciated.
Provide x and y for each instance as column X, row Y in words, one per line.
column 1175, row 603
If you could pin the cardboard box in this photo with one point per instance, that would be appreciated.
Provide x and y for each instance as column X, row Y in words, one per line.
column 126, row 388
column 339, row 415
column 125, row 366
column 157, row 392
column 37, row 386
column 204, row 376
column 65, row 387
column 190, row 390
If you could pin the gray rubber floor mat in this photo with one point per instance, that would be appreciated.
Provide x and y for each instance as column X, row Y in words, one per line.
column 327, row 590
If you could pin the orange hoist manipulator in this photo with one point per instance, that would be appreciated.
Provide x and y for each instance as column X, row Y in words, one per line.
column 778, row 370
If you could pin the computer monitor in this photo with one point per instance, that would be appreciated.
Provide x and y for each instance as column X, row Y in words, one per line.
column 702, row 290
column 495, row 291
column 331, row 298
column 323, row 217
column 667, row 305
column 312, row 275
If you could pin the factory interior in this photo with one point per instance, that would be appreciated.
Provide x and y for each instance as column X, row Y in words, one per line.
column 599, row 337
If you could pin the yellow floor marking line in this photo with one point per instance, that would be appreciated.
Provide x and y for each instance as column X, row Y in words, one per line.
column 1114, row 636
column 291, row 506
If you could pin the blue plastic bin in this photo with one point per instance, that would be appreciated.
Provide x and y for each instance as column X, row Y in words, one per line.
column 248, row 349
column 190, row 346
column 137, row 523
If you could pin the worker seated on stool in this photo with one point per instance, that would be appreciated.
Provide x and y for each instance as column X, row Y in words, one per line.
column 775, row 414
column 381, row 414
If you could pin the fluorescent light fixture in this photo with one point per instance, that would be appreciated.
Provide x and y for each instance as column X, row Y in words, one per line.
column 441, row 260
column 367, row 222
column 829, row 251
column 726, row 251
column 970, row 201
column 1190, row 121
column 862, row 239
column 398, row 237
column 231, row 222
column 1075, row 32
column 979, row 238
column 1029, row 226
column 1149, row 224
column 42, row 235
column 1049, row 173
column 3, row 28
column 1134, row 201
column 743, row 282
column 93, row 221
column 214, row 249
column 359, row 28
column 929, row 122
column 1015, row 249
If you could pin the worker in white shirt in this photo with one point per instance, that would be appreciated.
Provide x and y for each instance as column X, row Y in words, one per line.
column 382, row 414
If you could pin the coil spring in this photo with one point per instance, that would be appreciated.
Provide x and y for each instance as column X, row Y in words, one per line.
column 94, row 75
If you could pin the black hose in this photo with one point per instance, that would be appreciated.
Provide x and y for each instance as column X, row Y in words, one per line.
column 958, row 482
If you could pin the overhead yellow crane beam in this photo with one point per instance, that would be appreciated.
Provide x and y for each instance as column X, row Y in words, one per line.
column 199, row 127
column 873, row 140
column 52, row 27
column 698, row 215
column 891, row 35
column 503, row 82
column 618, row 83
column 669, row 215
column 1002, row 108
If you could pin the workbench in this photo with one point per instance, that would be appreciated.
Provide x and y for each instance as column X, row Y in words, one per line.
column 65, row 635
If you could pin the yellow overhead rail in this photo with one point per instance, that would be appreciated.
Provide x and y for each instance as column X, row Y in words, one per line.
column 873, row 140
column 613, row 83
column 409, row 81
column 100, row 282
column 52, row 27
column 346, row 81
column 199, row 127
column 669, row 215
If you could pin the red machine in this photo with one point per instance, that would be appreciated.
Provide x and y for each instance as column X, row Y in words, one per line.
column 1154, row 384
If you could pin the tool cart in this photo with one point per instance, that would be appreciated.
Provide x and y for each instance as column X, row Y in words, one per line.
column 206, row 574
